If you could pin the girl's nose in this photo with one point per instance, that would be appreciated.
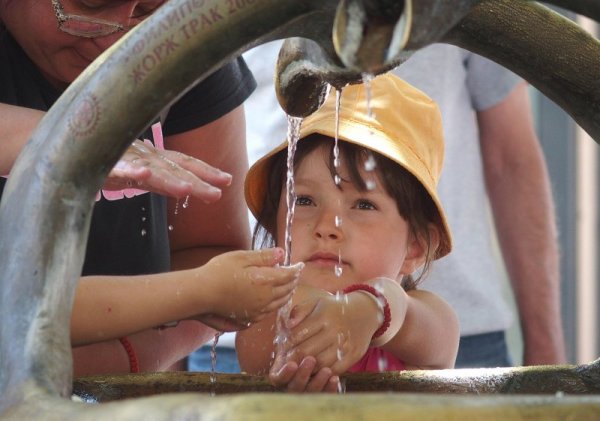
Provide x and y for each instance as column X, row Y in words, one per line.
column 328, row 226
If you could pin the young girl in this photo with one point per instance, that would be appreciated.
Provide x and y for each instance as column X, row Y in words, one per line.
column 365, row 220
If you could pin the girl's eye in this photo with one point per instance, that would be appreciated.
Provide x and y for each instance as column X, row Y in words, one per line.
column 303, row 201
column 364, row 204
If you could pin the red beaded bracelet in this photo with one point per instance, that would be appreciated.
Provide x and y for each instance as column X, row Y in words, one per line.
column 133, row 361
column 387, row 314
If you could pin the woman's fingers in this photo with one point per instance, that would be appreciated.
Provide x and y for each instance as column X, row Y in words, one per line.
column 168, row 173
column 201, row 169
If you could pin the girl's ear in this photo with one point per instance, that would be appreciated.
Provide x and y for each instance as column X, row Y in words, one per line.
column 420, row 250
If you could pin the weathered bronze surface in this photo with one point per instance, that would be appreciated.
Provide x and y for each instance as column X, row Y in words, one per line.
column 47, row 202
column 554, row 54
column 547, row 380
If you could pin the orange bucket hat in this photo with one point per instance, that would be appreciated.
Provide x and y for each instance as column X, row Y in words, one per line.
column 405, row 126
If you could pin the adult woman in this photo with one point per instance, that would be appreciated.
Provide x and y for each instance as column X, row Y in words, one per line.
column 137, row 237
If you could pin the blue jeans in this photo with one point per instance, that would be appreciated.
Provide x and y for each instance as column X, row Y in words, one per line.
column 226, row 360
column 486, row 350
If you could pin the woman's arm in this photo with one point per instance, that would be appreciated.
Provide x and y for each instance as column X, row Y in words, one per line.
column 164, row 172
column 16, row 126
column 201, row 230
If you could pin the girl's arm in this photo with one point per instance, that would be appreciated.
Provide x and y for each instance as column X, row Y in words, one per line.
column 242, row 286
column 428, row 338
column 423, row 331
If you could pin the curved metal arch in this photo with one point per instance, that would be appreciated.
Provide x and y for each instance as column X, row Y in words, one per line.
column 48, row 199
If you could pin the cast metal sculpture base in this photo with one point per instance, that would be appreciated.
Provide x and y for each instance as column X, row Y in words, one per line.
column 47, row 202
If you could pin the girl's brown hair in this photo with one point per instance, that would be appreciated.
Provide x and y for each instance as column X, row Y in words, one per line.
column 413, row 202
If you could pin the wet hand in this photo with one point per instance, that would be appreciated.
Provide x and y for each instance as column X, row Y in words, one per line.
column 337, row 331
column 248, row 285
column 303, row 377
column 169, row 173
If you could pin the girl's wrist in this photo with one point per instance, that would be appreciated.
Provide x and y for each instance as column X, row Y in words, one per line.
column 368, row 310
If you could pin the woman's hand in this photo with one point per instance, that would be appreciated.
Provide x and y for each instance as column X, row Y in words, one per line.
column 169, row 173
column 247, row 285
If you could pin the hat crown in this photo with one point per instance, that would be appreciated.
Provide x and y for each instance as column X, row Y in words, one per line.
column 387, row 116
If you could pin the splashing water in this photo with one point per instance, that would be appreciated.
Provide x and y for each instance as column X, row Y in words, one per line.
column 213, row 362
column 283, row 314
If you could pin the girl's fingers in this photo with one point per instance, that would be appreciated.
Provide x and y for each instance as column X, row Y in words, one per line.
column 266, row 258
column 320, row 381
column 276, row 304
column 302, row 333
column 302, row 377
column 342, row 359
column 331, row 357
column 283, row 375
column 315, row 345
column 333, row 385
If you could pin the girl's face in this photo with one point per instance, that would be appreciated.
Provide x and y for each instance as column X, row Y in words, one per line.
column 361, row 229
column 59, row 56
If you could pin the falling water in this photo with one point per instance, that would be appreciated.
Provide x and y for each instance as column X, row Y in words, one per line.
column 336, row 146
column 213, row 363
column 283, row 314
column 336, row 165
column 370, row 162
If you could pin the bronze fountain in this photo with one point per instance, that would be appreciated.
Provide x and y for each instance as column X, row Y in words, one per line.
column 46, row 208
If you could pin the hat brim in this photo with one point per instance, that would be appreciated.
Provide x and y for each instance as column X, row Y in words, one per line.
column 256, row 179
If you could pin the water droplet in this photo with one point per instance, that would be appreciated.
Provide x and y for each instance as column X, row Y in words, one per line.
column 170, row 227
column 371, row 185
column 342, row 386
column 382, row 364
column 338, row 296
column 338, row 270
column 143, row 219
column 144, row 233
column 370, row 163
column 177, row 207
column 337, row 180
column 338, row 221
column 186, row 203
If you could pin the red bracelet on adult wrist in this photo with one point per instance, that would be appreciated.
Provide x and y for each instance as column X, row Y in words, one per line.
column 133, row 361
column 387, row 314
